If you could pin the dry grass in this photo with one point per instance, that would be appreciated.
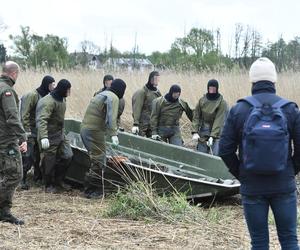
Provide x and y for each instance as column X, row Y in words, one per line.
column 68, row 221
column 233, row 85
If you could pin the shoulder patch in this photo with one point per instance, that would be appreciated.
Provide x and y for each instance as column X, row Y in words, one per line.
column 8, row 93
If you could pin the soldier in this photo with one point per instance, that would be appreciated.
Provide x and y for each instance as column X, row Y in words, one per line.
column 166, row 113
column 107, row 80
column 12, row 141
column 28, row 107
column 56, row 150
column 100, row 119
column 209, row 118
column 142, row 105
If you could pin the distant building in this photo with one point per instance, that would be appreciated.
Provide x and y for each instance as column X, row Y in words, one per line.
column 94, row 63
column 128, row 64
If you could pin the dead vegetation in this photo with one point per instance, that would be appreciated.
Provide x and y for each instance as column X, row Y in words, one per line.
column 69, row 221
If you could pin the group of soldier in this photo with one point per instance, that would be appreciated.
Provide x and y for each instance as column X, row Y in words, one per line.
column 155, row 116
column 34, row 134
column 158, row 116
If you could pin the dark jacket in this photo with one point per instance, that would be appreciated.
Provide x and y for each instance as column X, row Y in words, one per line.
column 28, row 107
column 142, row 105
column 165, row 113
column 50, row 115
column 210, row 114
column 11, row 129
column 231, row 142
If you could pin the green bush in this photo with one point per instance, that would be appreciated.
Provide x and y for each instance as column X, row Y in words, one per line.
column 140, row 201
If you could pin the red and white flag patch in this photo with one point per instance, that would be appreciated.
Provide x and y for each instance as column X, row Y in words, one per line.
column 7, row 93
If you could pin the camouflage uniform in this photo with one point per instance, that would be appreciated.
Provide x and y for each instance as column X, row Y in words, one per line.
column 100, row 119
column 142, row 107
column 121, row 107
column 32, row 156
column 50, row 115
column 208, row 121
column 165, row 118
column 11, row 134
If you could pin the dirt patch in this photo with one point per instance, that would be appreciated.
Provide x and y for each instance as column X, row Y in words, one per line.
column 69, row 221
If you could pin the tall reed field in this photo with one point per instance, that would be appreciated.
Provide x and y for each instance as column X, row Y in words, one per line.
column 136, row 217
column 233, row 86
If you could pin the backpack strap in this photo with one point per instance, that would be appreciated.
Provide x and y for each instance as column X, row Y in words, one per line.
column 252, row 101
column 282, row 102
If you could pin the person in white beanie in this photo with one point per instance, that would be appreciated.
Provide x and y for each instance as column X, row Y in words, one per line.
column 247, row 159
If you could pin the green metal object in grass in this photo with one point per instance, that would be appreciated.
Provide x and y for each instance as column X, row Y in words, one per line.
column 167, row 167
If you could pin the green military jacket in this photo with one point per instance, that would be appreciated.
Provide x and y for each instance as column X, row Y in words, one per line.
column 102, row 113
column 166, row 113
column 210, row 114
column 121, row 107
column 11, row 129
column 142, row 105
column 28, row 107
column 50, row 115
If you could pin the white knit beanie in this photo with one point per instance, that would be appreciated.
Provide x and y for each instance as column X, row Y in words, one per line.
column 263, row 70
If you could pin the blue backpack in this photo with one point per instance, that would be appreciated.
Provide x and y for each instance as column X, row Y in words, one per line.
column 265, row 138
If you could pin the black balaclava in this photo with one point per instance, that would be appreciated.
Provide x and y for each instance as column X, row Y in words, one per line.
column 118, row 86
column 149, row 85
column 174, row 89
column 61, row 90
column 43, row 89
column 212, row 96
column 106, row 78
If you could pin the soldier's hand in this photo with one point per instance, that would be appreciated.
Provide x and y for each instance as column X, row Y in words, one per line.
column 23, row 147
column 135, row 130
column 45, row 143
column 155, row 137
column 115, row 140
column 195, row 137
column 210, row 141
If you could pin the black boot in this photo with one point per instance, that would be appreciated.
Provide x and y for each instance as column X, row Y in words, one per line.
column 93, row 193
column 24, row 185
column 51, row 189
column 63, row 187
column 49, row 171
column 8, row 217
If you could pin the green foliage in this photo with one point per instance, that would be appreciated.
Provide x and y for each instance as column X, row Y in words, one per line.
column 2, row 53
column 140, row 201
column 285, row 56
column 37, row 51
column 199, row 50
column 196, row 51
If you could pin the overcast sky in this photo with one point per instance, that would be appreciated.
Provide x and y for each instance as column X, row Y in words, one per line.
column 156, row 23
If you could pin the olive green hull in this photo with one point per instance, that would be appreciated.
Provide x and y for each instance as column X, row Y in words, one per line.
column 166, row 166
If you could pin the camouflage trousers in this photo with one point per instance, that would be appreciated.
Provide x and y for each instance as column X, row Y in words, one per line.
column 10, row 175
column 94, row 142
column 56, row 160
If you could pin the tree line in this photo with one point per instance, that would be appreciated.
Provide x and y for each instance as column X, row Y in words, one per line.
column 198, row 50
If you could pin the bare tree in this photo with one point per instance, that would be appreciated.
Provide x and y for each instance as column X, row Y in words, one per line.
column 246, row 45
column 256, row 44
column 218, row 41
column 89, row 47
column 237, row 37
